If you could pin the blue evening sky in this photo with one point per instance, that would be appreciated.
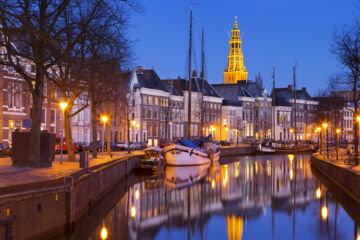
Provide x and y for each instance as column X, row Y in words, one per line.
column 273, row 32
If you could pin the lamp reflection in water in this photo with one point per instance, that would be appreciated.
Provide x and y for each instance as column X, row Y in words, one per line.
column 226, row 175
column 104, row 233
column 212, row 183
column 133, row 211
column 324, row 212
column 318, row 193
column 137, row 194
column 234, row 227
column 291, row 172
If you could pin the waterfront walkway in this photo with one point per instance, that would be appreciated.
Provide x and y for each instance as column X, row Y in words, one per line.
column 15, row 175
column 343, row 159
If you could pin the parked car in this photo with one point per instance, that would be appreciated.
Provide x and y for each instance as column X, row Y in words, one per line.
column 137, row 146
column 143, row 145
column 123, row 145
column 5, row 150
column 58, row 145
column 113, row 146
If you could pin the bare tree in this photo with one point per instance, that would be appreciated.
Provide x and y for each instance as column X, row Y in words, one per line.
column 45, row 34
column 346, row 48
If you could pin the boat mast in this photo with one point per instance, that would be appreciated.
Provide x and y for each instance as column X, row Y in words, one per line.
column 273, row 104
column 202, row 76
column 189, row 98
column 294, row 107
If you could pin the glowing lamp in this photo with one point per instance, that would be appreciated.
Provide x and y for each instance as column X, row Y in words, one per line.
column 324, row 125
column 104, row 119
column 63, row 105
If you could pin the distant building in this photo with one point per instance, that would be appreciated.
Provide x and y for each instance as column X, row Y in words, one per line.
column 235, row 70
column 255, row 106
column 206, row 106
column 286, row 115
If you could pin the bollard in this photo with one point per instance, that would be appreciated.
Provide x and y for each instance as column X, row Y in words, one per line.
column 84, row 159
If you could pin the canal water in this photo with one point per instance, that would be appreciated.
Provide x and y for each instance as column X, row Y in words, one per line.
column 254, row 197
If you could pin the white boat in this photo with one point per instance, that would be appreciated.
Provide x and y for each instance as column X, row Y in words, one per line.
column 183, row 176
column 263, row 149
column 180, row 155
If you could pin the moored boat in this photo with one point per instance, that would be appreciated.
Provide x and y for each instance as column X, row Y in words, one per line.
column 187, row 153
column 152, row 163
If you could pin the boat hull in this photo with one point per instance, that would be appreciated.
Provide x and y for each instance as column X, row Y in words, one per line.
column 179, row 155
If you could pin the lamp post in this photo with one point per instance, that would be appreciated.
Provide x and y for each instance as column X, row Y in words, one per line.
column 337, row 142
column 104, row 119
column 325, row 126
column 134, row 125
column 63, row 105
column 318, row 131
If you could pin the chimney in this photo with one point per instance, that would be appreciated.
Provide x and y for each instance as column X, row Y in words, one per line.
column 290, row 87
column 304, row 89
column 140, row 69
column 194, row 73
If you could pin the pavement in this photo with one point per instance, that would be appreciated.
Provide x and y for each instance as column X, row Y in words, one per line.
column 341, row 160
column 15, row 175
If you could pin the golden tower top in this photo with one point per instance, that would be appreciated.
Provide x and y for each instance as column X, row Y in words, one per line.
column 235, row 69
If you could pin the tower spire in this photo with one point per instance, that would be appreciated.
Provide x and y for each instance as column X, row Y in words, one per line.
column 235, row 69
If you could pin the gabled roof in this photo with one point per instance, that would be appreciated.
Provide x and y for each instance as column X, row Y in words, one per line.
column 285, row 95
column 150, row 79
column 197, row 85
column 239, row 89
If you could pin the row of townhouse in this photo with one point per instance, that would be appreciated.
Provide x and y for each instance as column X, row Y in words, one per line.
column 234, row 112
column 286, row 115
column 157, row 110
column 158, row 107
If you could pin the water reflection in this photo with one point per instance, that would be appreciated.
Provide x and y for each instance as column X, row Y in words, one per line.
column 260, row 197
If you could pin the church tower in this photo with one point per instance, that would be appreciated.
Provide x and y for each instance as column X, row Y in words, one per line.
column 235, row 69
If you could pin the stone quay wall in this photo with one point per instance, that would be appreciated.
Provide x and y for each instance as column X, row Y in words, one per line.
column 236, row 151
column 41, row 213
column 345, row 178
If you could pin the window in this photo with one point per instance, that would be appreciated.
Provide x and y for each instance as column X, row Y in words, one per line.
column 143, row 113
column 155, row 129
column 149, row 129
column 43, row 115
column 150, row 100
column 10, row 95
column 52, row 116
column 156, row 116
column 86, row 115
column 144, row 99
column 156, row 100
column 17, row 96
column 149, row 112
column 10, row 68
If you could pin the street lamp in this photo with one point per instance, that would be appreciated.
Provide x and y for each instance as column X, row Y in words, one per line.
column 325, row 126
column 337, row 142
column 104, row 119
column 63, row 105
